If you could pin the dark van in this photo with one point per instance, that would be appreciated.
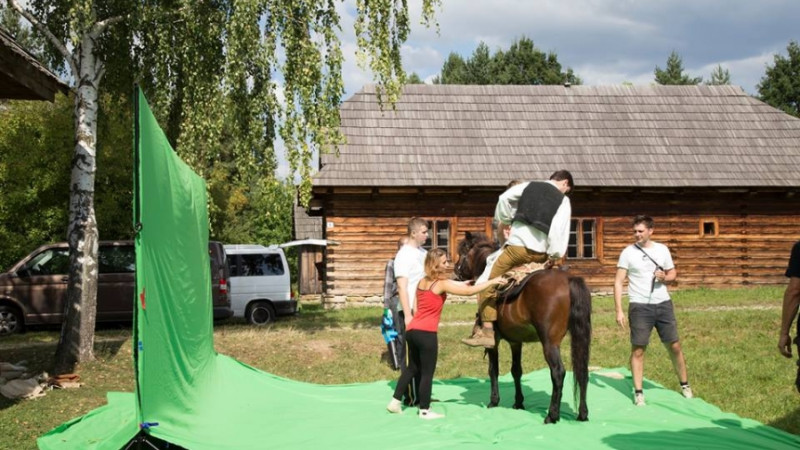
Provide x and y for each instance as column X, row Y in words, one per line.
column 34, row 290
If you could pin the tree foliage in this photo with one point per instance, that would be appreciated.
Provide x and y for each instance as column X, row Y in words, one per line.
column 674, row 74
column 780, row 86
column 413, row 78
column 227, row 77
column 10, row 21
column 36, row 140
column 224, row 77
column 720, row 76
column 522, row 63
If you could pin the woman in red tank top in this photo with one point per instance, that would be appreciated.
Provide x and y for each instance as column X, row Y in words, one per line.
column 421, row 333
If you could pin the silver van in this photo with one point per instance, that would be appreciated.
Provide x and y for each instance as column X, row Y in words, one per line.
column 260, row 285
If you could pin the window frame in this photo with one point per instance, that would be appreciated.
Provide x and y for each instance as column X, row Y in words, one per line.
column 709, row 220
column 433, row 235
column 579, row 238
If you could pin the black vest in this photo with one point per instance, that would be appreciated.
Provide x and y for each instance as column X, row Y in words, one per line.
column 538, row 205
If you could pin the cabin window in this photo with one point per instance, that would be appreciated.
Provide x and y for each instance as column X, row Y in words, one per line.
column 438, row 235
column 709, row 227
column 582, row 238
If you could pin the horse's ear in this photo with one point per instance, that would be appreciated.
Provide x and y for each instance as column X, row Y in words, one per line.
column 468, row 234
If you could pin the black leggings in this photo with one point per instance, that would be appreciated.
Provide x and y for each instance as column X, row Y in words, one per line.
column 423, row 350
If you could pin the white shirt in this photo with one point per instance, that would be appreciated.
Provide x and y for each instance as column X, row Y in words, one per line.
column 490, row 260
column 410, row 263
column 553, row 243
column 641, row 269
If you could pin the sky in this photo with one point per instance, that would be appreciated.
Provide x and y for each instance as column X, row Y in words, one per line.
column 606, row 42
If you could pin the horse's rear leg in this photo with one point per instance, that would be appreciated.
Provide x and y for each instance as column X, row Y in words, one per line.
column 494, row 399
column 516, row 372
column 553, row 356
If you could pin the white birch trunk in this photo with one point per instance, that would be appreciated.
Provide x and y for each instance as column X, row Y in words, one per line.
column 77, row 332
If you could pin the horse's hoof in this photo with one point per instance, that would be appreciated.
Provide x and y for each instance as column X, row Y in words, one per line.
column 583, row 417
column 548, row 420
column 491, row 405
column 519, row 406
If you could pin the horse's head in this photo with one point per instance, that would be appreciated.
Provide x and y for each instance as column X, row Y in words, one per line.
column 472, row 253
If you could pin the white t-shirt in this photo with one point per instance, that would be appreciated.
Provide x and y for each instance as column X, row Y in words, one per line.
column 410, row 263
column 641, row 269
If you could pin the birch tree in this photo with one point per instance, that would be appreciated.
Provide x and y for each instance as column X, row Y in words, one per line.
column 77, row 45
column 224, row 79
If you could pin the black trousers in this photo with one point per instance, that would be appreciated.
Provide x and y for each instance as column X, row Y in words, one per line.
column 423, row 351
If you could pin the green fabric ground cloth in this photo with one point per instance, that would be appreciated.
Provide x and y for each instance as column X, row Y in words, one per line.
column 251, row 409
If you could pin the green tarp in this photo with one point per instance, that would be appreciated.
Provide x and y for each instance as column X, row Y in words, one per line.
column 197, row 399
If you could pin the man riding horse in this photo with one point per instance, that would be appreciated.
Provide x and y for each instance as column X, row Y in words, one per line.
column 539, row 213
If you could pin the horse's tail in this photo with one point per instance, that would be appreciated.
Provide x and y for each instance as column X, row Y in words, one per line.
column 580, row 330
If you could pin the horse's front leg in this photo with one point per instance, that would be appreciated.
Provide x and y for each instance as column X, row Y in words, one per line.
column 516, row 372
column 494, row 399
column 553, row 356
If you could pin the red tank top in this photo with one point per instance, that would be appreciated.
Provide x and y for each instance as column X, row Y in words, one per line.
column 429, row 310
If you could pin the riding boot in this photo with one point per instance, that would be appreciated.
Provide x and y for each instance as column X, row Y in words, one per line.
column 484, row 337
column 476, row 327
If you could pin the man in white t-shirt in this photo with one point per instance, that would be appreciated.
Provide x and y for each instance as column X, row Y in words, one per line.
column 409, row 268
column 649, row 268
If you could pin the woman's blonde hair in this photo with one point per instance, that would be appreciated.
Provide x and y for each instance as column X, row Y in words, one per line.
column 431, row 261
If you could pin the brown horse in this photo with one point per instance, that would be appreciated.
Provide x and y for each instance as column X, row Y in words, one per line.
column 550, row 304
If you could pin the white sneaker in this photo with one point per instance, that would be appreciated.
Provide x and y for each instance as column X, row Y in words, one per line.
column 395, row 406
column 687, row 391
column 427, row 414
column 638, row 399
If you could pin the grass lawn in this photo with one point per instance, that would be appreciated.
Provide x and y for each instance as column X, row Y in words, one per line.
column 729, row 337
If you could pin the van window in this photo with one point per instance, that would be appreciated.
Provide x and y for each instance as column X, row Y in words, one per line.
column 256, row 265
column 116, row 259
column 53, row 261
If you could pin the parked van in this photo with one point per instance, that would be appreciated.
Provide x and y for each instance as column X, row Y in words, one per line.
column 260, row 284
column 34, row 290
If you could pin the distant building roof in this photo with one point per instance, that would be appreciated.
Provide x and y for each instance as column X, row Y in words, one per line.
column 306, row 227
column 22, row 77
column 607, row 136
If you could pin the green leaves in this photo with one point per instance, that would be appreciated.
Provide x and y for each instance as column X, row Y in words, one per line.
column 780, row 86
column 521, row 64
column 226, row 78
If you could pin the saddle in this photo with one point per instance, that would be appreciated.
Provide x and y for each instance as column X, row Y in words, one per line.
column 518, row 277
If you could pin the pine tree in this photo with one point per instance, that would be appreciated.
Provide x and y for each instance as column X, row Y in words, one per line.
column 673, row 74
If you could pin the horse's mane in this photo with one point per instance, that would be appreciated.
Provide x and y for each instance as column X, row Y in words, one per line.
column 473, row 239
column 481, row 246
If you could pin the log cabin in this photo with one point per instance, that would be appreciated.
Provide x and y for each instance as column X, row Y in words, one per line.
column 716, row 168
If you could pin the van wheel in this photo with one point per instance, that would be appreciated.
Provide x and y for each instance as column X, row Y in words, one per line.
column 10, row 320
column 260, row 313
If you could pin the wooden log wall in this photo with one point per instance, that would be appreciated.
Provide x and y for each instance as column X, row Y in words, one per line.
column 367, row 228
column 754, row 232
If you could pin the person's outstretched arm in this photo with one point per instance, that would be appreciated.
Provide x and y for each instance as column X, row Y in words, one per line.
column 462, row 288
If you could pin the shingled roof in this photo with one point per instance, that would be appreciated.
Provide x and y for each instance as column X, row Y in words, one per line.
column 607, row 136
column 22, row 76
